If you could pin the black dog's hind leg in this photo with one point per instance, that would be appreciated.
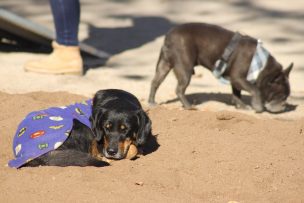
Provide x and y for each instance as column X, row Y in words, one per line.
column 237, row 101
column 162, row 70
column 67, row 157
column 183, row 77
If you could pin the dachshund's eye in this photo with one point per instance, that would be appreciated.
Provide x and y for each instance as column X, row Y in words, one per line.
column 123, row 128
column 108, row 126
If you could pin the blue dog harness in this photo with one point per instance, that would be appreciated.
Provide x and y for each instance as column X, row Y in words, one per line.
column 46, row 130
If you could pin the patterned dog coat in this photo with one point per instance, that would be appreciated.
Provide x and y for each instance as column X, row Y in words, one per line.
column 258, row 62
column 46, row 130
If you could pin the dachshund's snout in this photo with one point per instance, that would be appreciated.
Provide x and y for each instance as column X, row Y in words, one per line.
column 112, row 151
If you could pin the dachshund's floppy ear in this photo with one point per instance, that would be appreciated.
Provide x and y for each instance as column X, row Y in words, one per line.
column 97, row 114
column 96, row 124
column 144, row 128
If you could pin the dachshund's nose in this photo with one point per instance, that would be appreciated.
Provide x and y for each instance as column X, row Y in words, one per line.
column 112, row 151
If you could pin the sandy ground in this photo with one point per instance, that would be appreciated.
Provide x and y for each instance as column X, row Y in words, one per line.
column 199, row 156
column 216, row 154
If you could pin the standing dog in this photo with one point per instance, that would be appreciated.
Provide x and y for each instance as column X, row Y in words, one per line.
column 82, row 134
column 229, row 56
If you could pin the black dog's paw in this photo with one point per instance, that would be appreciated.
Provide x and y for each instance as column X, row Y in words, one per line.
column 257, row 105
column 259, row 111
column 239, row 104
column 191, row 107
column 258, row 108
column 152, row 103
column 243, row 107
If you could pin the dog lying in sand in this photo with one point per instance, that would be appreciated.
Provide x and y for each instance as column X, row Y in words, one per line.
column 111, row 126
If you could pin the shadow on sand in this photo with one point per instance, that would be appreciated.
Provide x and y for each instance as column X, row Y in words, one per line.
column 199, row 98
column 144, row 29
column 115, row 40
column 151, row 146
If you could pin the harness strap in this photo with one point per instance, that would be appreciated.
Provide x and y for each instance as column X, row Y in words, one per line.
column 221, row 64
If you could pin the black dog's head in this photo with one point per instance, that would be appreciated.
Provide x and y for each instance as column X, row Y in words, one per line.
column 118, row 121
column 275, row 89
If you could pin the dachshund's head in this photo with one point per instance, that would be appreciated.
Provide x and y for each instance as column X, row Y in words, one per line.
column 119, row 121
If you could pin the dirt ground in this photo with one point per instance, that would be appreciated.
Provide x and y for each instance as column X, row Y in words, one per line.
column 214, row 154
column 198, row 156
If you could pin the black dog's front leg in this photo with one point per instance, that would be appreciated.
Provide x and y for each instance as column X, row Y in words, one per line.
column 237, row 101
column 256, row 100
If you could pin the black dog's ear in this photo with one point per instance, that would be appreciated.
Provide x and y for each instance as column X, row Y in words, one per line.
column 144, row 128
column 96, row 124
column 288, row 69
column 97, row 114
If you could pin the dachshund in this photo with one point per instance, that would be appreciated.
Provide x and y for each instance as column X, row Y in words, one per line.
column 112, row 125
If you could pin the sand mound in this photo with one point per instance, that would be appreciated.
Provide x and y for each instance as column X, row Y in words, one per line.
column 198, row 156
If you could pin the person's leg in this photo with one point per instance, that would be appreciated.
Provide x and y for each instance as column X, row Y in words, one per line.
column 65, row 58
column 66, row 14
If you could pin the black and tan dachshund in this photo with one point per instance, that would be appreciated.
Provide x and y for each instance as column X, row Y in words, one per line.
column 118, row 122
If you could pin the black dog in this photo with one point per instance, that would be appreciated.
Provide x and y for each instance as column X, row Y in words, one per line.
column 117, row 120
column 194, row 44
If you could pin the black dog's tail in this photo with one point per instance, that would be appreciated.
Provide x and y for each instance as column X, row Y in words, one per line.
column 66, row 158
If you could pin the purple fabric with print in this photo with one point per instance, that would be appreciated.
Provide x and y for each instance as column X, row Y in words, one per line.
column 46, row 130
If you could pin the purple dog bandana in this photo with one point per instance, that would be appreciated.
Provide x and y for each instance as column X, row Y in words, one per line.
column 46, row 130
